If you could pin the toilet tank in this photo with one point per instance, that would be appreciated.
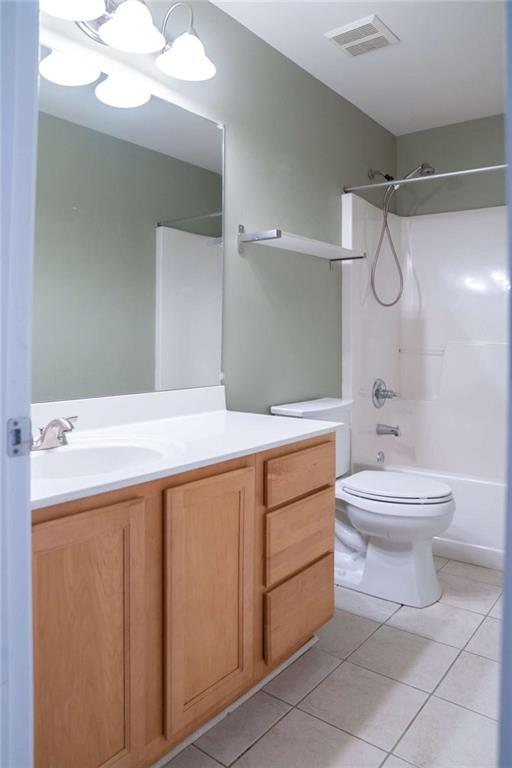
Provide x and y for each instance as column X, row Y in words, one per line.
column 325, row 409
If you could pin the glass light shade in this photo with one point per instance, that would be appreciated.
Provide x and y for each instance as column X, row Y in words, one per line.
column 67, row 69
column 74, row 10
column 117, row 91
column 131, row 29
column 186, row 59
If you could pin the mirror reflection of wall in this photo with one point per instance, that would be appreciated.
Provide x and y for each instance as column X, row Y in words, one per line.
column 106, row 178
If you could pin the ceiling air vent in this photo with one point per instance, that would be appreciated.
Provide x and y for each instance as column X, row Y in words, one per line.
column 362, row 36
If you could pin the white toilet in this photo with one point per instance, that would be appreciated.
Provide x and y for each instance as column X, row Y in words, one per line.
column 392, row 519
column 385, row 521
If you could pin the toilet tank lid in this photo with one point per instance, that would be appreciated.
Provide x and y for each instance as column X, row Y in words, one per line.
column 308, row 408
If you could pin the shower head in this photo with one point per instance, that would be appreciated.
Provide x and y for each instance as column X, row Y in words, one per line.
column 425, row 169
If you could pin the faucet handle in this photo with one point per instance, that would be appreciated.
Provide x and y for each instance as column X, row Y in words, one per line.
column 67, row 425
column 380, row 393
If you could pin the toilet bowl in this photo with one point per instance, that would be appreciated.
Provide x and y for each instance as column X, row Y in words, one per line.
column 384, row 529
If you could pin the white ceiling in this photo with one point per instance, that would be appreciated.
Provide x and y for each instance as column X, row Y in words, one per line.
column 448, row 66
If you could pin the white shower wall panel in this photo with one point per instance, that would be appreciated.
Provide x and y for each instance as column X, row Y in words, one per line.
column 444, row 346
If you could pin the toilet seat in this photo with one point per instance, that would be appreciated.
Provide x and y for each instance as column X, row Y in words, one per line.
column 395, row 493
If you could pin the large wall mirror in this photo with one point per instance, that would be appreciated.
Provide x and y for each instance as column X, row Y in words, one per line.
column 128, row 253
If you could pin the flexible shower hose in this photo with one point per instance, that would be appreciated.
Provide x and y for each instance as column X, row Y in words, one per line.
column 385, row 232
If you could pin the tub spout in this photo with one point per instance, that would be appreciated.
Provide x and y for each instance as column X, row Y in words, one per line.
column 385, row 429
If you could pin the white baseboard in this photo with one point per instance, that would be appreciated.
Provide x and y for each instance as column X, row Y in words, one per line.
column 206, row 727
column 469, row 553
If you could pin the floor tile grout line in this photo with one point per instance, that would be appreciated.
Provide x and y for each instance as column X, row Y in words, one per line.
column 471, row 578
column 362, row 615
column 199, row 749
column 224, row 765
column 481, row 655
column 468, row 709
column 388, row 677
column 441, row 642
column 343, row 661
column 431, row 695
column 426, row 637
column 296, row 706
column 382, row 624
column 343, row 730
column 366, row 616
column 452, row 605
column 340, row 662
column 494, row 605
column 407, row 762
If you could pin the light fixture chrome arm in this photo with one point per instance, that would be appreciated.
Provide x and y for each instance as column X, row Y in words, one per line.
column 90, row 28
column 190, row 28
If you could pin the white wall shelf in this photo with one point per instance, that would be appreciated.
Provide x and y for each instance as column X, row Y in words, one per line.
column 286, row 241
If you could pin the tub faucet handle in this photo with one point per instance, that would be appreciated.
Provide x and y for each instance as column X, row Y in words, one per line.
column 380, row 393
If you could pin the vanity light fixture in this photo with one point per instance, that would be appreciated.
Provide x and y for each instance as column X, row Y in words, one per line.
column 68, row 69
column 185, row 57
column 130, row 28
column 118, row 91
column 73, row 10
column 126, row 25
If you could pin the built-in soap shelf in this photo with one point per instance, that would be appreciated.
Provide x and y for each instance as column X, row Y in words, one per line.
column 286, row 241
column 420, row 371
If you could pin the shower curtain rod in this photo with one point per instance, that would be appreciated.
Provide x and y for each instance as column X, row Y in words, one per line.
column 431, row 177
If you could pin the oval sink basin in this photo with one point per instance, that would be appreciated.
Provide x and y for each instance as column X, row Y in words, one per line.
column 80, row 460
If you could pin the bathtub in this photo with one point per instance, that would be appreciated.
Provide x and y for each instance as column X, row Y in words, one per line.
column 477, row 534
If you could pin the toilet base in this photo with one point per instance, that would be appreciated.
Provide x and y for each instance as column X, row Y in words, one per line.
column 401, row 572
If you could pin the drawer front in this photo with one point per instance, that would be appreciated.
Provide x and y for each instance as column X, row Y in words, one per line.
column 296, row 474
column 296, row 609
column 298, row 534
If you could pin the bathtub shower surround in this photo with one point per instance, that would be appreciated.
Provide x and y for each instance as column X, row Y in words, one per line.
column 444, row 347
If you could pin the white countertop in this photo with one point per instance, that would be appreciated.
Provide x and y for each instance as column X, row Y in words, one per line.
column 180, row 444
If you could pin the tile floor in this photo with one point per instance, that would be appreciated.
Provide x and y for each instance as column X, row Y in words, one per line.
column 385, row 686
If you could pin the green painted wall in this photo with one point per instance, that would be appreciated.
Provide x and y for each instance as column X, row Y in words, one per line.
column 291, row 146
column 449, row 148
column 98, row 201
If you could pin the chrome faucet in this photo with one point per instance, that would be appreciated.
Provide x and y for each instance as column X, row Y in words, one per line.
column 385, row 429
column 54, row 434
column 380, row 393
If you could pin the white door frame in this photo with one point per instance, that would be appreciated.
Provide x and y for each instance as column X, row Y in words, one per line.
column 18, row 126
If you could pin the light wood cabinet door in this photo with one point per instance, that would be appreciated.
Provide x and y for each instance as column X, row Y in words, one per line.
column 209, row 600
column 88, row 574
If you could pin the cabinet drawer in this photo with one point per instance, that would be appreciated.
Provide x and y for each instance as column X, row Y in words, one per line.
column 298, row 534
column 296, row 609
column 296, row 474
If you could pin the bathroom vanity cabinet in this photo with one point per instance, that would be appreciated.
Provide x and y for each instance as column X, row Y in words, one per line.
column 157, row 605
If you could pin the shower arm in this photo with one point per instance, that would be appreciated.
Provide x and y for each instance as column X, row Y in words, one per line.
column 429, row 177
